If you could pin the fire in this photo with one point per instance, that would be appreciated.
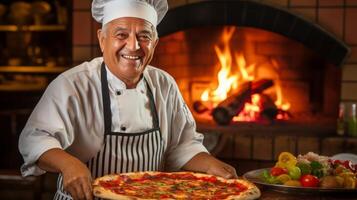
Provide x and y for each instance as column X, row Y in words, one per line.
column 234, row 71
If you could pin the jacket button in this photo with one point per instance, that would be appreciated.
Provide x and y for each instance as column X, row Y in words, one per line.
column 123, row 128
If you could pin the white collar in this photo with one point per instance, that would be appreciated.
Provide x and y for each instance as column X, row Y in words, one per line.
column 116, row 84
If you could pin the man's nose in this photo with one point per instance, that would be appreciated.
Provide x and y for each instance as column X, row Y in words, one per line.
column 133, row 43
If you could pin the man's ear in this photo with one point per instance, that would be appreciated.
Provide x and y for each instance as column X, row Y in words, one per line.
column 156, row 42
column 100, row 35
column 152, row 52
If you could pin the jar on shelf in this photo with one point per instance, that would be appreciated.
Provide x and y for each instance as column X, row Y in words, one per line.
column 341, row 120
column 352, row 121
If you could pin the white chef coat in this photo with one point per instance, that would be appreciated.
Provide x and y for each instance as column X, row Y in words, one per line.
column 69, row 116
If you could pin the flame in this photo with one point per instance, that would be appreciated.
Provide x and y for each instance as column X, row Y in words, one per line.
column 251, row 110
column 226, row 80
column 243, row 69
column 279, row 94
column 229, row 78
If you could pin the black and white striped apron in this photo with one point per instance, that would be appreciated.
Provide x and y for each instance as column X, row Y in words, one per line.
column 123, row 152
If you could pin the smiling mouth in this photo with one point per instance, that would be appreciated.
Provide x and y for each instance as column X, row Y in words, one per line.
column 130, row 57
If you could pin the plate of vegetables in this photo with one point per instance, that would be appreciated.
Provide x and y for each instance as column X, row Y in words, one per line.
column 307, row 173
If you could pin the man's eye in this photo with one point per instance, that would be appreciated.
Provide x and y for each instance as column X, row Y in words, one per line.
column 121, row 35
column 144, row 38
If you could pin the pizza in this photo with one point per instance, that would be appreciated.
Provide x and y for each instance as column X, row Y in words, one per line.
column 175, row 185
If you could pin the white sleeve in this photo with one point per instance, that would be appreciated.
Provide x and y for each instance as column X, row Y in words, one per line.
column 184, row 141
column 49, row 126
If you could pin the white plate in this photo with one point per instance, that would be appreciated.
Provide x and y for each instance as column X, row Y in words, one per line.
column 345, row 156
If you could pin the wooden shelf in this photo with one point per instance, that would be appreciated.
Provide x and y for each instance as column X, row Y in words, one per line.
column 14, row 28
column 32, row 69
column 21, row 87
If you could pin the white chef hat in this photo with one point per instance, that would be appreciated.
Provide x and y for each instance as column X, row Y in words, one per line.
column 104, row 11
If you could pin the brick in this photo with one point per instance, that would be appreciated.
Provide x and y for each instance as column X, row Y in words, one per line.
column 179, row 36
column 290, row 74
column 262, row 148
column 351, row 146
column 95, row 26
column 284, row 143
column 178, row 72
column 303, row 3
column 351, row 2
column 81, row 54
column 81, row 26
column 294, row 92
column 283, row 3
column 82, row 4
column 203, row 59
column 161, row 48
column 210, row 140
column 265, row 164
column 348, row 91
column 332, row 20
column 349, row 72
column 307, row 144
column 167, row 38
column 306, row 13
column 176, row 3
column 96, row 52
column 163, row 62
column 245, row 166
column 175, row 47
column 331, row 3
column 351, row 28
column 242, row 147
column 226, row 146
column 332, row 146
column 271, row 48
column 194, row 1
column 181, row 60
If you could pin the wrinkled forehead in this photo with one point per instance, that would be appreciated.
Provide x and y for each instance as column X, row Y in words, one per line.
column 131, row 23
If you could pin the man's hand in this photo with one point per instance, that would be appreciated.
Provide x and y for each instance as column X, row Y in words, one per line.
column 76, row 176
column 77, row 181
column 203, row 162
column 219, row 168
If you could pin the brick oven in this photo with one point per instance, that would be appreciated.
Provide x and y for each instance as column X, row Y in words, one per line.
column 301, row 58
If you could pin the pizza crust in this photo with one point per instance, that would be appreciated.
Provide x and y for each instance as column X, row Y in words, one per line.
column 105, row 194
column 251, row 193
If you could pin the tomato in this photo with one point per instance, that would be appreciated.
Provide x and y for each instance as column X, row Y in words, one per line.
column 276, row 171
column 211, row 179
column 309, row 181
column 349, row 165
column 294, row 173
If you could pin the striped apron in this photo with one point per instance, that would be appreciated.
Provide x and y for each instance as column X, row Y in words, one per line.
column 123, row 152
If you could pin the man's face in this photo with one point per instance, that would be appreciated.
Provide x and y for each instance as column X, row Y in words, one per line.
column 128, row 46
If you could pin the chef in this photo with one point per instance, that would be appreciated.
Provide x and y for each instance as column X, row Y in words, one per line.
column 115, row 113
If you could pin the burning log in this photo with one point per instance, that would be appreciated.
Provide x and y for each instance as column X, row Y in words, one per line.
column 234, row 104
column 268, row 108
column 199, row 107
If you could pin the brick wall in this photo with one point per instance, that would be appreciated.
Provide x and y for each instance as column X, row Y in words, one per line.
column 250, row 151
column 336, row 16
